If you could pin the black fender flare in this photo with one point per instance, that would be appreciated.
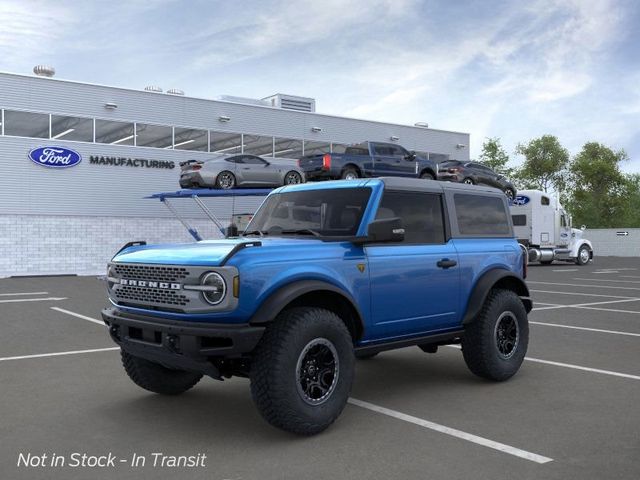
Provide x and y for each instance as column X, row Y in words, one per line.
column 286, row 294
column 497, row 277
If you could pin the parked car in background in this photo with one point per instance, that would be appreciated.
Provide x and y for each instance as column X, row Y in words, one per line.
column 240, row 171
column 368, row 159
column 474, row 173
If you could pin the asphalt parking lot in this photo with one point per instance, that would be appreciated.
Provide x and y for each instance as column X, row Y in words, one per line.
column 570, row 413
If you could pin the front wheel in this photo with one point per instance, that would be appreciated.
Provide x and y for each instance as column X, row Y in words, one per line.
column 584, row 255
column 495, row 342
column 156, row 378
column 427, row 176
column 292, row 178
column 302, row 370
column 468, row 181
column 510, row 193
column 225, row 180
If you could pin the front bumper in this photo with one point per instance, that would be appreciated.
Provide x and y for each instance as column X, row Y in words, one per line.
column 181, row 345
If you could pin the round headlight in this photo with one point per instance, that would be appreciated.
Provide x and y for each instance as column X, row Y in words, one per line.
column 216, row 288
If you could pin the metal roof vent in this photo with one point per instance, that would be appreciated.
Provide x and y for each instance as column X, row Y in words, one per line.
column 44, row 71
column 153, row 88
column 291, row 102
column 175, row 91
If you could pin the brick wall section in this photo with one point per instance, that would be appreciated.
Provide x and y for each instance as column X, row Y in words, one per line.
column 607, row 243
column 81, row 245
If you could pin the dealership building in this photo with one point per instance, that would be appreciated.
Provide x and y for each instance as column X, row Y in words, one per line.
column 127, row 144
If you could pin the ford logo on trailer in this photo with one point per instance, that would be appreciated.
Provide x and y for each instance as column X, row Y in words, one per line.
column 55, row 157
column 521, row 200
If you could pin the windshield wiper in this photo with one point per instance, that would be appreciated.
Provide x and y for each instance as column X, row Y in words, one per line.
column 302, row 231
column 255, row 232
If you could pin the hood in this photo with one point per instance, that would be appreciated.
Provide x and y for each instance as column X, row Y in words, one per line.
column 205, row 253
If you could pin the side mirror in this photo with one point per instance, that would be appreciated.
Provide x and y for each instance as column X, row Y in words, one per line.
column 583, row 227
column 385, row 230
column 411, row 156
column 232, row 231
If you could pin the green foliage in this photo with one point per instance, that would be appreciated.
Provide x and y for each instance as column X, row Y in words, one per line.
column 495, row 157
column 600, row 195
column 545, row 164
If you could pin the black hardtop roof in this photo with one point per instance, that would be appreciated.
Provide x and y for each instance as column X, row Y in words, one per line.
column 434, row 186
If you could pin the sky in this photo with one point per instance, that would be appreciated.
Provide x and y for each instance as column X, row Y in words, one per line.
column 509, row 69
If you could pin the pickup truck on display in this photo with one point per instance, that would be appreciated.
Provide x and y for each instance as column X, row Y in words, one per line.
column 368, row 159
column 324, row 274
column 543, row 226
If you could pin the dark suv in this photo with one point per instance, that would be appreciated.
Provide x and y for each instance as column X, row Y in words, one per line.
column 473, row 173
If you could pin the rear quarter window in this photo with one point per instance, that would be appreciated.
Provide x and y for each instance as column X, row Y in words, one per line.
column 519, row 220
column 481, row 215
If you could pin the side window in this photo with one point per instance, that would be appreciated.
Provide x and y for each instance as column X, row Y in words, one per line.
column 421, row 215
column 382, row 150
column 238, row 159
column 481, row 215
column 519, row 220
column 250, row 159
column 545, row 201
column 398, row 151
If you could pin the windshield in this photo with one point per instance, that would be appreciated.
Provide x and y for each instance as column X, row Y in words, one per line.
column 327, row 212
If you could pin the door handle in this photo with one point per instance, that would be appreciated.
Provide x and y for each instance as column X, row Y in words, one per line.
column 446, row 263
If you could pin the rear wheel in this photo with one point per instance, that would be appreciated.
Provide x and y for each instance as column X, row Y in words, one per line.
column 302, row 370
column 584, row 255
column 292, row 178
column 509, row 193
column 427, row 176
column 469, row 181
column 495, row 343
column 156, row 378
column 350, row 173
column 225, row 180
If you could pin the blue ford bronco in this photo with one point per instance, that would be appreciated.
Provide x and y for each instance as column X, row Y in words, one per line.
column 324, row 274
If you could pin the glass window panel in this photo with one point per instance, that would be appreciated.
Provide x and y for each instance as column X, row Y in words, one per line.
column 226, row 143
column 287, row 148
column 316, row 148
column 258, row 145
column 26, row 124
column 338, row 147
column 71, row 128
column 190, row 139
column 115, row 133
column 157, row 136
column 421, row 215
column 481, row 215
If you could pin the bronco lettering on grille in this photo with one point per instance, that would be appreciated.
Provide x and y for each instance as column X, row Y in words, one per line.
column 147, row 284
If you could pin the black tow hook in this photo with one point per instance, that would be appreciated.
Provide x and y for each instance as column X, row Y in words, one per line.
column 173, row 344
column 114, row 331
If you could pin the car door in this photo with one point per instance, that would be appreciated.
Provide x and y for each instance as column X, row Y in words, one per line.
column 405, row 164
column 383, row 159
column 415, row 283
column 257, row 171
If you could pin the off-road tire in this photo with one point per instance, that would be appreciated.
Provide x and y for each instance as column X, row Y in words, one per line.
column 220, row 179
column 275, row 376
column 427, row 176
column 579, row 260
column 156, row 378
column 349, row 173
column 479, row 342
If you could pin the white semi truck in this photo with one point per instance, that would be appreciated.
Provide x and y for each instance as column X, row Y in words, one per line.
column 544, row 228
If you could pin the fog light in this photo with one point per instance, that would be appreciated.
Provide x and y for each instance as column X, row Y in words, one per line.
column 216, row 288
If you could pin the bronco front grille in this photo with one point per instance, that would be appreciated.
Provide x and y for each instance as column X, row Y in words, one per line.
column 152, row 272
column 150, row 295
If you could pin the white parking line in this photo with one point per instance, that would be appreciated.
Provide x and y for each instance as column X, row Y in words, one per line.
column 23, row 293
column 612, row 281
column 583, row 285
column 629, row 276
column 585, row 369
column 567, row 270
column 598, row 330
column 73, row 314
column 570, row 365
column 58, row 354
column 580, row 294
column 48, row 299
column 533, row 457
column 611, row 310
column 581, row 305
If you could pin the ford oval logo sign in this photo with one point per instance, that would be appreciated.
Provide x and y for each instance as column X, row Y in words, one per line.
column 521, row 200
column 55, row 157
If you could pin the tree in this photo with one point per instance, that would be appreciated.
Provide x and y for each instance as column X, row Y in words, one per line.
column 601, row 195
column 495, row 157
column 545, row 164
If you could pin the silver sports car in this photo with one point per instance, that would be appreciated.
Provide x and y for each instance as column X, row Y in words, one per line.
column 240, row 171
